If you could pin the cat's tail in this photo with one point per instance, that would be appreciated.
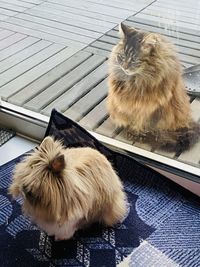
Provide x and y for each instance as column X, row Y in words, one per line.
column 179, row 140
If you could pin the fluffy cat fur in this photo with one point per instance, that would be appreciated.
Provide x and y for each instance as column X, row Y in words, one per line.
column 146, row 90
column 65, row 189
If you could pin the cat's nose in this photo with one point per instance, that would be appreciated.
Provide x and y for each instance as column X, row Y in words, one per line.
column 125, row 65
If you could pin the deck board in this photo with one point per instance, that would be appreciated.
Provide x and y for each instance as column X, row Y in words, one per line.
column 5, row 33
column 14, row 38
column 7, row 12
column 17, row 47
column 19, row 3
column 58, row 88
column 78, row 90
column 90, row 120
column 57, row 28
column 74, row 15
column 95, row 8
column 12, row 6
column 20, row 56
column 41, row 25
column 39, row 34
column 48, row 62
column 21, row 68
column 91, row 30
column 45, row 80
column 87, row 102
column 107, row 128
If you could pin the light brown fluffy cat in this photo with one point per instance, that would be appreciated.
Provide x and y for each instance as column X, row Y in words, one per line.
column 64, row 189
column 146, row 90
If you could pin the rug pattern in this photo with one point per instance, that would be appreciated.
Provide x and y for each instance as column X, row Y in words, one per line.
column 160, row 229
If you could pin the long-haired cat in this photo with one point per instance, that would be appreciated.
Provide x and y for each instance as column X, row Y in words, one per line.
column 64, row 189
column 146, row 90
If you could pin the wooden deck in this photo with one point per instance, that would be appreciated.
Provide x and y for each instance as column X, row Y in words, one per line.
column 53, row 54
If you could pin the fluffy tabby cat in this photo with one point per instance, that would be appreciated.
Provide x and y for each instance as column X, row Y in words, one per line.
column 146, row 90
column 65, row 189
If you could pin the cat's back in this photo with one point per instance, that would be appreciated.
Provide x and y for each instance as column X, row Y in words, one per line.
column 86, row 156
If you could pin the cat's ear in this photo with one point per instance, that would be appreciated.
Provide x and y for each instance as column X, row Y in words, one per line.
column 47, row 140
column 58, row 164
column 149, row 45
column 124, row 30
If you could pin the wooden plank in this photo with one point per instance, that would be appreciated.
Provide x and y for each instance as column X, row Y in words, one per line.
column 122, row 136
column 22, row 55
column 56, row 58
column 11, row 7
column 100, row 45
column 19, row 3
column 49, row 21
column 165, row 153
column 78, row 90
column 13, row 49
column 3, row 17
column 107, row 128
column 143, row 146
column 35, row 2
column 11, row 40
column 96, row 8
column 179, row 39
column 183, row 33
column 18, row 69
column 182, row 4
column 192, row 156
column 83, row 13
column 86, row 103
column 50, row 27
column 40, row 84
column 195, row 106
column 63, row 84
column 169, row 13
column 13, row 82
column 109, row 39
column 174, row 24
column 97, row 51
column 134, row 7
column 42, row 35
column 188, row 59
column 114, row 32
column 64, row 12
column 92, row 30
column 5, row 33
column 190, row 9
column 95, row 116
column 7, row 12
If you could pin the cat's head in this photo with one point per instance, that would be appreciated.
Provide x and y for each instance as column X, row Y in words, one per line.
column 38, row 179
column 135, row 49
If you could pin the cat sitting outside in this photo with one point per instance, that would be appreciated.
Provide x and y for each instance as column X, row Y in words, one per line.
column 146, row 94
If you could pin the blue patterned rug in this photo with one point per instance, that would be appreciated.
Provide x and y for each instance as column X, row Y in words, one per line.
column 162, row 227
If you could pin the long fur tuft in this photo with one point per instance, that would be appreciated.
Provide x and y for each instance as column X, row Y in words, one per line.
column 146, row 90
column 64, row 189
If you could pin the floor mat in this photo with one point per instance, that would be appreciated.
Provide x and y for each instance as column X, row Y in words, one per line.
column 5, row 135
column 160, row 229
